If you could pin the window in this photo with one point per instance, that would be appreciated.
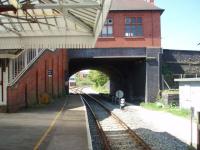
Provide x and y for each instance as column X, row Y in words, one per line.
column 133, row 27
column 107, row 30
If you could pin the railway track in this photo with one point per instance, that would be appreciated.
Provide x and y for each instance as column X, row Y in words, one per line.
column 75, row 90
column 115, row 133
column 100, row 142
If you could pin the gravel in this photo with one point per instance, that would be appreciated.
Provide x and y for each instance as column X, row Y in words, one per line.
column 160, row 130
column 117, row 135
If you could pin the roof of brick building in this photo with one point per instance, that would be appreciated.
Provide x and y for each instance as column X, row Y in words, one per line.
column 133, row 5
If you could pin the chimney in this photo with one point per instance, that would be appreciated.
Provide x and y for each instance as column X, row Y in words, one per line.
column 150, row 1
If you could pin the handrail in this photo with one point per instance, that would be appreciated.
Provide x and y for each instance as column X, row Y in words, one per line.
column 22, row 63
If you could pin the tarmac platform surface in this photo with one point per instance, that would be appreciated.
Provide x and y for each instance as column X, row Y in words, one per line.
column 60, row 125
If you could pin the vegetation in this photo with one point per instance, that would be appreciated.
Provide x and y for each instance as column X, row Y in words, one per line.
column 81, row 82
column 101, row 89
column 96, row 79
column 168, row 76
column 166, row 108
column 99, row 80
column 173, row 91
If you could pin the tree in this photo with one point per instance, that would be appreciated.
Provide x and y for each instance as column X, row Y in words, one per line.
column 98, row 78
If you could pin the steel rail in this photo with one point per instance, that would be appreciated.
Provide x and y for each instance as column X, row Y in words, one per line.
column 104, row 139
column 129, row 130
column 132, row 134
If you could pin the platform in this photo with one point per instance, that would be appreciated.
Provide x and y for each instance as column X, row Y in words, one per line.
column 70, row 132
column 25, row 129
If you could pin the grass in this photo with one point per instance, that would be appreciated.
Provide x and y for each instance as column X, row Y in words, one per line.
column 173, row 110
column 172, row 91
column 101, row 89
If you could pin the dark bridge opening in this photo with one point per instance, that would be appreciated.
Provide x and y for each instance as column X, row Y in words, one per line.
column 127, row 74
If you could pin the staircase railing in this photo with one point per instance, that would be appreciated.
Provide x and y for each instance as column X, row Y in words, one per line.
column 19, row 65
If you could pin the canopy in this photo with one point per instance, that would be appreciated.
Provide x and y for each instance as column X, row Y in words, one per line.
column 51, row 23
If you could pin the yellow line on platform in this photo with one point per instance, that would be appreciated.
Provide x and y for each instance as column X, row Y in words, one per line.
column 36, row 147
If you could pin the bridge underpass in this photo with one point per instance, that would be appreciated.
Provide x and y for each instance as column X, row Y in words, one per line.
column 127, row 74
column 128, row 70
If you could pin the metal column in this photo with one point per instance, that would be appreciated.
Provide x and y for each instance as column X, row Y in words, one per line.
column 3, row 81
column 1, row 86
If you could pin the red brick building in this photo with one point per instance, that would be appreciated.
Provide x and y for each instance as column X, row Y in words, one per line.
column 131, row 23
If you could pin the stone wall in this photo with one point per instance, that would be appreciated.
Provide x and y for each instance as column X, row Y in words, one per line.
column 182, row 61
column 179, row 63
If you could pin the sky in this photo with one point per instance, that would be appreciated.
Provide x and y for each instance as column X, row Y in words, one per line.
column 180, row 24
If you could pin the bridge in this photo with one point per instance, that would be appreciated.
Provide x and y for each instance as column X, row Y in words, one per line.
column 133, row 70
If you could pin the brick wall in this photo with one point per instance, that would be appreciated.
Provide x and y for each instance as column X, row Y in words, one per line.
column 151, row 29
column 35, row 81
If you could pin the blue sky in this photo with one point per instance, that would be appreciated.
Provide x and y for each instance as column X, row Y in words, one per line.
column 180, row 24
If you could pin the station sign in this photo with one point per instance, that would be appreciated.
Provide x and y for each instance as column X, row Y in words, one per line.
column 50, row 72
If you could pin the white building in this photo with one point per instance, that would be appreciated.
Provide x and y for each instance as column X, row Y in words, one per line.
column 189, row 93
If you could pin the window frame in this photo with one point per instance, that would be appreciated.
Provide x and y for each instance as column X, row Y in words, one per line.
column 107, row 25
column 133, row 24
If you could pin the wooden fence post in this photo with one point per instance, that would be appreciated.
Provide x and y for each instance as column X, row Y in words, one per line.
column 198, row 132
